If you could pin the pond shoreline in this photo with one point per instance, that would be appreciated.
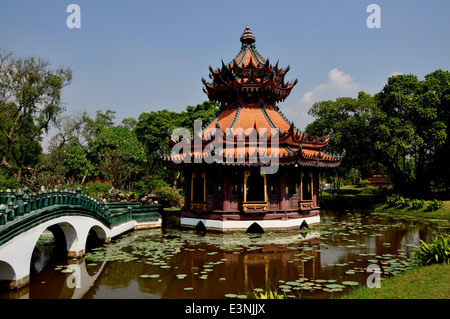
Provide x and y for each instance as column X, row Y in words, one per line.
column 417, row 283
column 427, row 282
column 374, row 200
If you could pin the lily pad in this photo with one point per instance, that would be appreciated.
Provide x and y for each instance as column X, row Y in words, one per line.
column 231, row 295
column 334, row 286
column 350, row 283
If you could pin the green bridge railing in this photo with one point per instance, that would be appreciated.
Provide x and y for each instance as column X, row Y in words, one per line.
column 19, row 203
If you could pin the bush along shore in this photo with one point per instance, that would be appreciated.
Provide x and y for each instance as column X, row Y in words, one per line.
column 399, row 205
column 351, row 198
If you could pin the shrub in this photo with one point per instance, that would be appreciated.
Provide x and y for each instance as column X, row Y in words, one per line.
column 405, row 202
column 363, row 183
column 395, row 200
column 434, row 205
column 169, row 197
column 436, row 252
column 97, row 187
column 417, row 203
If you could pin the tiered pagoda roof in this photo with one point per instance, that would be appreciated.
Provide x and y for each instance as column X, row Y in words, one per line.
column 248, row 89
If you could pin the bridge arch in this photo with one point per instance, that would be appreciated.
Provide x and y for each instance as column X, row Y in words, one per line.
column 72, row 229
column 7, row 274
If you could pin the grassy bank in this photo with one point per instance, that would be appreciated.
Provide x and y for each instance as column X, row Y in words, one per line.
column 442, row 213
column 428, row 282
column 349, row 198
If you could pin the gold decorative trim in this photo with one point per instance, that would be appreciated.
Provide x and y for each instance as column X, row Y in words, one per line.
column 245, row 207
column 306, row 205
column 199, row 206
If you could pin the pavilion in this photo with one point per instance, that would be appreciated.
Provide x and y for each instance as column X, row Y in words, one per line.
column 250, row 169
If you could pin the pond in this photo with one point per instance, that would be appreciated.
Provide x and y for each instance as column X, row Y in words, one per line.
column 322, row 262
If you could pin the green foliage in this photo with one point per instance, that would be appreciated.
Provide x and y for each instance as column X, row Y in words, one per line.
column 404, row 129
column 169, row 197
column 270, row 294
column 436, row 252
column 7, row 181
column 348, row 122
column 30, row 101
column 94, row 126
column 434, row 205
column 97, row 187
column 153, row 131
column 76, row 163
column 362, row 183
column 395, row 200
column 118, row 155
column 417, row 204
column 147, row 184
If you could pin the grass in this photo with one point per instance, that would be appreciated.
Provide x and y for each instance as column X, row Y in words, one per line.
column 350, row 197
column 428, row 282
column 370, row 198
column 442, row 213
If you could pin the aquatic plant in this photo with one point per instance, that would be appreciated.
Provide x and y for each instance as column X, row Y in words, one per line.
column 434, row 205
column 395, row 200
column 269, row 294
column 436, row 252
column 417, row 203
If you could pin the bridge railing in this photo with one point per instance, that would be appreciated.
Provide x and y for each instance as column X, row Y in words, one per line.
column 21, row 202
column 120, row 213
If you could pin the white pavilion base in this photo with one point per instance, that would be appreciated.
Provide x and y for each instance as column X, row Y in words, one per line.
column 243, row 225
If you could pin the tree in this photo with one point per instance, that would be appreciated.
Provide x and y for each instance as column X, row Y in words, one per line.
column 404, row 129
column 153, row 131
column 348, row 121
column 118, row 155
column 93, row 127
column 30, row 101
column 407, row 131
column 438, row 82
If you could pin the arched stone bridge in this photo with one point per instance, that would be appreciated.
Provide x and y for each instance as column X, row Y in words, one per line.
column 71, row 216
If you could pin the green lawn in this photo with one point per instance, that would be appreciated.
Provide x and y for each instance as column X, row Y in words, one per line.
column 443, row 213
column 428, row 282
column 370, row 198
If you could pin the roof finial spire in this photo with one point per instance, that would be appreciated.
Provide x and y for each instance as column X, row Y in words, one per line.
column 247, row 37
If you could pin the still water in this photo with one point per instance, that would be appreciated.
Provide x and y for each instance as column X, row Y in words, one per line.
column 325, row 261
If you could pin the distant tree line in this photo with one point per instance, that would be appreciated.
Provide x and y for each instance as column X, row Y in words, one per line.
column 402, row 131
column 87, row 147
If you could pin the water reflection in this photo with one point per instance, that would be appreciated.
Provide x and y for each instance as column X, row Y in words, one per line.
column 184, row 264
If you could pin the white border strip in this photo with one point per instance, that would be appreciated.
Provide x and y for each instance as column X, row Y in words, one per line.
column 243, row 225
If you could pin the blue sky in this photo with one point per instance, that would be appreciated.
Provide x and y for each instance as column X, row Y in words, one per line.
column 140, row 56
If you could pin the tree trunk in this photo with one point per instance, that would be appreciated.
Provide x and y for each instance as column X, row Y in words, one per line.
column 176, row 179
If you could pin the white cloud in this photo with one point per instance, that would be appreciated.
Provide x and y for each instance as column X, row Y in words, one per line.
column 339, row 84
column 394, row 73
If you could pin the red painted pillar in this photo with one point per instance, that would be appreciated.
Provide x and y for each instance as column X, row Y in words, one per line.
column 187, row 189
column 316, row 188
column 282, row 185
column 226, row 193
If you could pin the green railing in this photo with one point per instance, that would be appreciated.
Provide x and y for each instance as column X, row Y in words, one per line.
column 124, row 212
column 19, row 203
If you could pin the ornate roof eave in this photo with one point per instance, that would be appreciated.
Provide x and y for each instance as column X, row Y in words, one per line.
column 284, row 161
column 281, row 92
